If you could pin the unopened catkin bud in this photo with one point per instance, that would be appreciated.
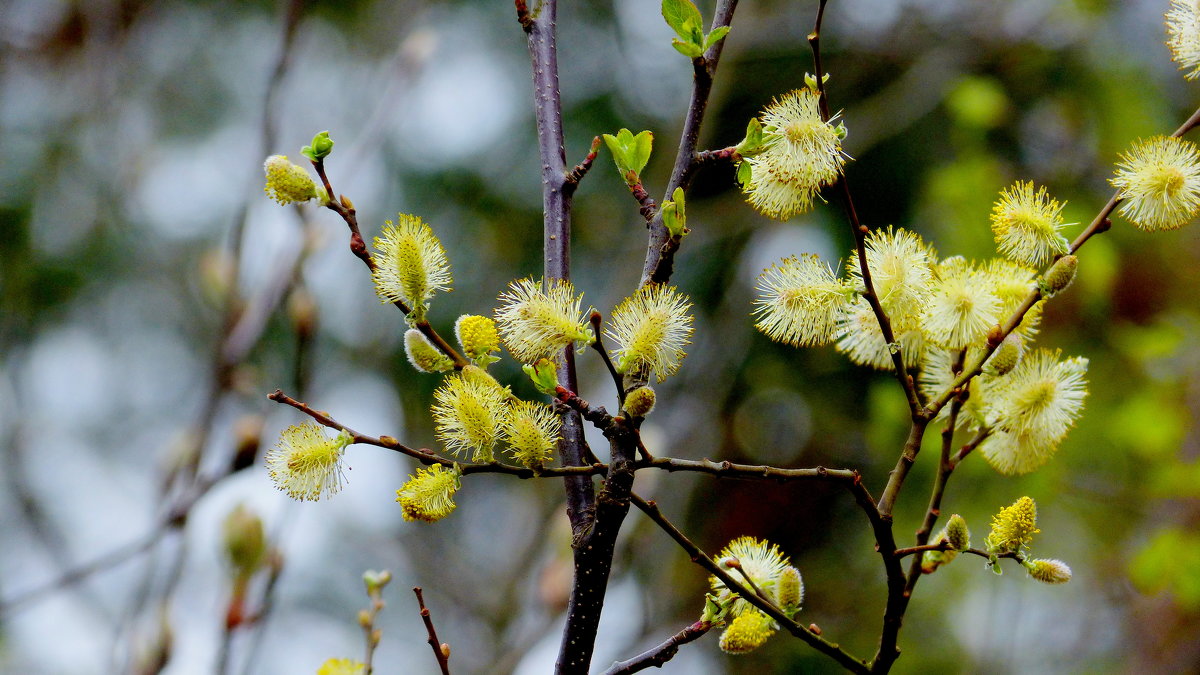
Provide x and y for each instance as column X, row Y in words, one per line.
column 247, row 432
column 1060, row 275
column 302, row 310
column 789, row 590
column 245, row 543
column 1007, row 355
column 1049, row 571
column 445, row 648
column 423, row 355
column 640, row 401
column 957, row 534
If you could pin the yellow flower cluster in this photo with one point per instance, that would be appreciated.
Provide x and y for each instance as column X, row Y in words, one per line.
column 307, row 464
column 748, row 628
column 801, row 153
column 428, row 494
column 410, row 266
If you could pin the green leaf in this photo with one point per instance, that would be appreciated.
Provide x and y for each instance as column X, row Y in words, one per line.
column 687, row 49
column 618, row 150
column 715, row 36
column 678, row 12
column 744, row 173
column 752, row 144
column 639, row 151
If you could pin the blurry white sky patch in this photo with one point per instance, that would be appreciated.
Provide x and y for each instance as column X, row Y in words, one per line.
column 465, row 98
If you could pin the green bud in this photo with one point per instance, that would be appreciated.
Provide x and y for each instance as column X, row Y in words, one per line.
column 674, row 216
column 932, row 560
column 320, row 148
column 423, row 355
column 544, row 375
column 1059, row 276
column 715, row 36
column 640, row 401
column 1049, row 571
column 1007, row 355
column 810, row 80
column 245, row 542
column 957, row 534
column 375, row 581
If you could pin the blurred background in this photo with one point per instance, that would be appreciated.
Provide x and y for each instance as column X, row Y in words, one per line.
column 132, row 400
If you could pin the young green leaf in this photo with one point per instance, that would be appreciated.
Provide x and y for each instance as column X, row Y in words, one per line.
column 677, row 13
column 639, row 151
column 744, row 173
column 715, row 36
column 688, row 49
column 617, row 150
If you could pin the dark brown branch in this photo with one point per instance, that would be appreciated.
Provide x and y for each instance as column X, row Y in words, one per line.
column 899, row 597
column 598, row 416
column 428, row 457
column 434, row 643
column 658, row 655
column 661, row 248
column 846, row 660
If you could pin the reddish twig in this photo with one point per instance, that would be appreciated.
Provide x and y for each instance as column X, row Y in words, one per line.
column 576, row 175
column 439, row 652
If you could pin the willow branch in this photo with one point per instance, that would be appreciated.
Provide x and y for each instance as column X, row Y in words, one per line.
column 598, row 345
column 661, row 248
column 434, row 643
column 428, row 457
column 831, row 649
column 658, row 655
column 1099, row 224
column 860, row 234
column 727, row 469
column 358, row 246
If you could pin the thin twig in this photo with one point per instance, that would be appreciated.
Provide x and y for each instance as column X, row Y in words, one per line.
column 598, row 345
column 658, row 655
column 661, row 247
column 358, row 246
column 576, row 175
column 428, row 457
column 860, row 233
column 434, row 643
